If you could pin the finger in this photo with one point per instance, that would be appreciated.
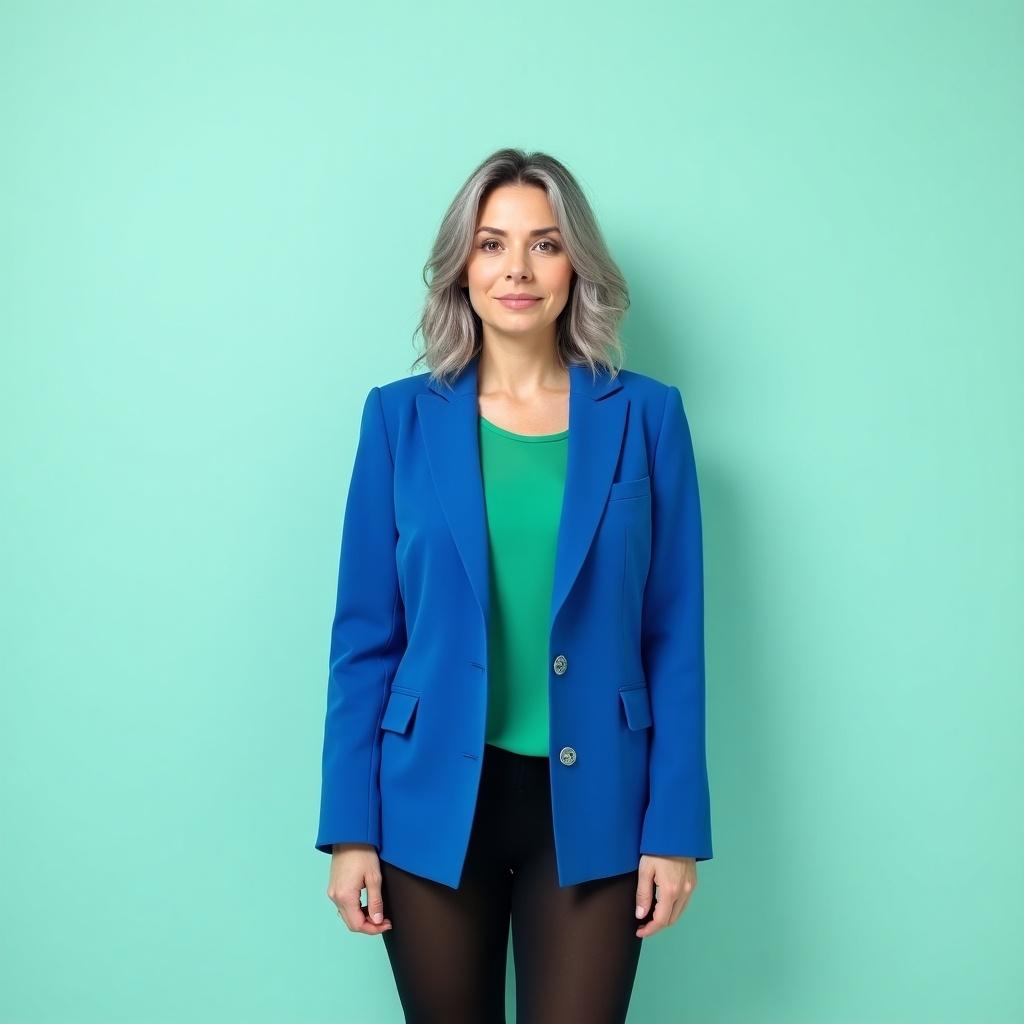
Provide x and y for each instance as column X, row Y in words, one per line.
column 351, row 912
column 374, row 898
column 644, row 891
column 662, row 910
column 677, row 909
column 367, row 925
column 649, row 926
column 682, row 901
column 349, row 908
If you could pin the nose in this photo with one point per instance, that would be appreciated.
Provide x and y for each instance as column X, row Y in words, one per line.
column 517, row 265
column 517, row 268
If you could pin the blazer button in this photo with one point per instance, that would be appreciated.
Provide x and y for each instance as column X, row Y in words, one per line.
column 560, row 665
column 567, row 755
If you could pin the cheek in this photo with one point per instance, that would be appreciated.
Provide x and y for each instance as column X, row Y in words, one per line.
column 562, row 279
column 555, row 281
column 479, row 273
column 474, row 276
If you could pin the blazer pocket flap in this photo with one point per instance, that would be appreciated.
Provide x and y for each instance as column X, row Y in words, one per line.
column 398, row 714
column 630, row 488
column 637, row 702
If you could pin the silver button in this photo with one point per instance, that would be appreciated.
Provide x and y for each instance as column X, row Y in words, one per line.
column 567, row 755
column 560, row 665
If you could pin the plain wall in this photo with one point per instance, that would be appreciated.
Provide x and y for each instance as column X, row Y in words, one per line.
column 213, row 222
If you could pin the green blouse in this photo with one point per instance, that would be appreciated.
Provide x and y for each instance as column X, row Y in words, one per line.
column 524, row 478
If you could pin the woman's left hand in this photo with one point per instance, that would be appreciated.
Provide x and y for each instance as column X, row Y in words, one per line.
column 676, row 878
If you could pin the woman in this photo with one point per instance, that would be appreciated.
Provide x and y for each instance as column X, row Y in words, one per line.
column 515, row 714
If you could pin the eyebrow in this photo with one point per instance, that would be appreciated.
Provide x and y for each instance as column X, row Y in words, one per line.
column 498, row 231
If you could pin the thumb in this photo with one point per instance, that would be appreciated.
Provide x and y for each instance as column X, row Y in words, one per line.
column 644, row 891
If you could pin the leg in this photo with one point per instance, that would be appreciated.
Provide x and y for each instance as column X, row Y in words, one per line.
column 448, row 947
column 576, row 949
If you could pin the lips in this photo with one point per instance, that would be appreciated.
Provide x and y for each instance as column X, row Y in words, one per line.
column 519, row 303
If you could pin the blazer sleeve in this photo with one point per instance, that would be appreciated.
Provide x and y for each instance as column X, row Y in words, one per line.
column 677, row 821
column 367, row 642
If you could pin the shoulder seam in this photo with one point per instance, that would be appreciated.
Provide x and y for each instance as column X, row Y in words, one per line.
column 669, row 388
column 384, row 424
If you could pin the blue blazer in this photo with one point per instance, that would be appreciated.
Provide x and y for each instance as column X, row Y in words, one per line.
column 408, row 680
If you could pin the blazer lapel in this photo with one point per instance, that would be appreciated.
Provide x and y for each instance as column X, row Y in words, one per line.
column 597, row 418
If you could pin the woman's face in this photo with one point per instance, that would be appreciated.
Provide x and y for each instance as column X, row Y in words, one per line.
column 518, row 249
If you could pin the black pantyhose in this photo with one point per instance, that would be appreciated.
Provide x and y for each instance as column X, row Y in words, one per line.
column 575, row 949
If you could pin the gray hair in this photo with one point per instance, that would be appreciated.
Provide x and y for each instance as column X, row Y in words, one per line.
column 586, row 330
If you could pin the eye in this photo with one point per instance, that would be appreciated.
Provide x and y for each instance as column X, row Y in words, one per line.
column 554, row 246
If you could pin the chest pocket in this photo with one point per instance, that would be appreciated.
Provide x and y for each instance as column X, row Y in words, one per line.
column 629, row 509
column 630, row 489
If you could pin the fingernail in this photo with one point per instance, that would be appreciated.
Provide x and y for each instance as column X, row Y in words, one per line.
column 639, row 911
column 378, row 917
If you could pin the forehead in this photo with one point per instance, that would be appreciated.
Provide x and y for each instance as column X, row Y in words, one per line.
column 516, row 208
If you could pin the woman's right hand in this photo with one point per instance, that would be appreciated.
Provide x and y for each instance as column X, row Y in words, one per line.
column 355, row 866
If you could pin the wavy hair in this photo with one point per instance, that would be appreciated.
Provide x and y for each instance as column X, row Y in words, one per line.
column 586, row 330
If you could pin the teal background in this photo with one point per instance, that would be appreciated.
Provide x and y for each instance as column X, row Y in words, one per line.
column 213, row 220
